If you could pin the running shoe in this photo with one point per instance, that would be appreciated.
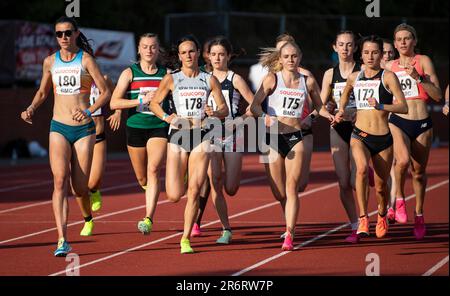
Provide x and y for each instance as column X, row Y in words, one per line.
column 382, row 226
column 186, row 246
column 391, row 216
column 225, row 238
column 400, row 211
column 145, row 225
column 288, row 245
column 283, row 236
column 196, row 230
column 363, row 227
column 419, row 227
column 96, row 200
column 88, row 228
column 371, row 177
column 62, row 249
column 352, row 238
column 144, row 187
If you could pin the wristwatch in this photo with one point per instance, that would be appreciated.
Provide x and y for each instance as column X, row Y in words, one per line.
column 420, row 79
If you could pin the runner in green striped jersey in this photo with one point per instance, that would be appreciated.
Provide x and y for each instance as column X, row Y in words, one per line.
column 146, row 133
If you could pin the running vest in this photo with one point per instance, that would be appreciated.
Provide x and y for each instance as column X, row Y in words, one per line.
column 373, row 87
column 141, row 83
column 338, row 84
column 70, row 78
column 231, row 95
column 95, row 93
column 190, row 94
column 287, row 102
column 411, row 89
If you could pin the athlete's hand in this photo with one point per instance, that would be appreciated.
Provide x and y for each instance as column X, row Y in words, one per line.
column 27, row 115
column 172, row 119
column 114, row 120
column 372, row 102
column 306, row 122
column 209, row 110
column 148, row 97
column 445, row 109
column 79, row 115
column 411, row 71
column 339, row 116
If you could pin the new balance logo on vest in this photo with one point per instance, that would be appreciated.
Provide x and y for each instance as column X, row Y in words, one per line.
column 424, row 125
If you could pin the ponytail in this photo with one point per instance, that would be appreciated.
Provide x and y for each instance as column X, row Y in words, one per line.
column 270, row 58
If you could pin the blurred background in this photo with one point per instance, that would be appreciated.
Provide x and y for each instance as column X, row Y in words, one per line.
column 114, row 26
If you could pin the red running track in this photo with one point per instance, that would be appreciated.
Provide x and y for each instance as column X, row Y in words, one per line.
column 28, row 235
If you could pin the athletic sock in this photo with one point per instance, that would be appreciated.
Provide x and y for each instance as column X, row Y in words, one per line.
column 201, row 208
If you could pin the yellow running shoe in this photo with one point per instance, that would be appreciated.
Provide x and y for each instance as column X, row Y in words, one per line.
column 88, row 228
column 186, row 246
column 145, row 225
column 96, row 200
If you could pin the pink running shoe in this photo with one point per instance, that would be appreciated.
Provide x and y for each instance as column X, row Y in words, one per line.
column 419, row 227
column 391, row 216
column 287, row 244
column 371, row 177
column 352, row 238
column 400, row 211
column 196, row 230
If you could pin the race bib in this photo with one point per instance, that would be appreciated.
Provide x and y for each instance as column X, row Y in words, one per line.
column 288, row 102
column 365, row 89
column 95, row 93
column 142, row 92
column 67, row 80
column 408, row 84
column 338, row 89
column 192, row 103
column 226, row 95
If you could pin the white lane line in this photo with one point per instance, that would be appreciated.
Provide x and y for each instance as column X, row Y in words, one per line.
column 107, row 215
column 436, row 267
column 42, row 183
column 205, row 225
column 36, row 184
column 258, row 264
column 106, row 189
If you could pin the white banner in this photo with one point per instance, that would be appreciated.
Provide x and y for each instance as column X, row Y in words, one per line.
column 114, row 50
